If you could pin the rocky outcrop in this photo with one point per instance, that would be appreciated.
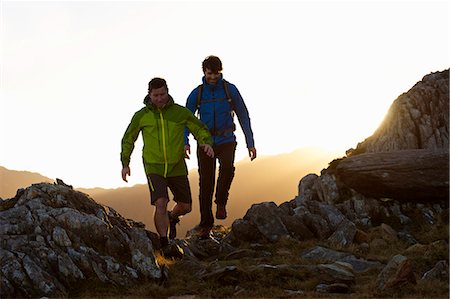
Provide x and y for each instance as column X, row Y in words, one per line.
column 392, row 183
column 418, row 119
column 339, row 223
column 55, row 239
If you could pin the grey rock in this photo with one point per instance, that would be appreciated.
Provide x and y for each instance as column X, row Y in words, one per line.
column 322, row 254
column 313, row 220
column 68, row 269
column 60, row 237
column 360, row 265
column 244, row 230
column 407, row 237
column 41, row 280
column 145, row 265
column 344, row 233
column 327, row 189
column 440, row 271
column 306, row 186
column 266, row 217
column 296, row 227
column 339, row 271
column 326, row 221
column 389, row 271
column 53, row 236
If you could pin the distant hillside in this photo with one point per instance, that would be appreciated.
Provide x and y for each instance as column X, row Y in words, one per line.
column 11, row 180
column 270, row 178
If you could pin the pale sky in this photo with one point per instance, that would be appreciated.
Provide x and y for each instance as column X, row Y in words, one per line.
column 312, row 73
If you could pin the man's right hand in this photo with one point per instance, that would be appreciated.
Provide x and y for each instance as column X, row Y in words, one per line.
column 125, row 172
column 187, row 151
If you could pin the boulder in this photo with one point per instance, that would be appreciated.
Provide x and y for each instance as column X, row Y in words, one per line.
column 266, row 217
column 398, row 272
column 55, row 239
column 305, row 186
column 326, row 255
column 407, row 175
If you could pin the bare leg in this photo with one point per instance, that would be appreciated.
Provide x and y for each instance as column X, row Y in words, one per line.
column 181, row 209
column 160, row 217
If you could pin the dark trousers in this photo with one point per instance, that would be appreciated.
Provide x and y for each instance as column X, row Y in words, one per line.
column 224, row 153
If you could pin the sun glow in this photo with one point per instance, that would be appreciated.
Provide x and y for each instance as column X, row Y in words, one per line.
column 319, row 74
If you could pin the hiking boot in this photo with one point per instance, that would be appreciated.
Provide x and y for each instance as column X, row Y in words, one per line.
column 204, row 233
column 221, row 212
column 172, row 225
column 172, row 251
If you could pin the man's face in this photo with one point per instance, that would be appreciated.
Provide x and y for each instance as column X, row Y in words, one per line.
column 211, row 77
column 159, row 97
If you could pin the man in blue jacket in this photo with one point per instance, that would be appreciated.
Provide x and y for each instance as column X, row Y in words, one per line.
column 216, row 101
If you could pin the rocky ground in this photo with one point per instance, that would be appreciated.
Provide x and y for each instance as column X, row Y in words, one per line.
column 59, row 242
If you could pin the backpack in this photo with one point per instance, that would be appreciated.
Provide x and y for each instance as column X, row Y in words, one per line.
column 228, row 98
column 227, row 94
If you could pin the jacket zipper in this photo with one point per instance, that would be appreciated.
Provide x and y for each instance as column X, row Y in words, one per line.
column 164, row 143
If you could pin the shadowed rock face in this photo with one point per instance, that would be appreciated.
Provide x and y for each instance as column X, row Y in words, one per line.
column 53, row 236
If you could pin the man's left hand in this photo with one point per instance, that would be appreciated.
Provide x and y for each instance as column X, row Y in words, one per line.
column 125, row 171
column 208, row 150
column 252, row 153
column 187, row 151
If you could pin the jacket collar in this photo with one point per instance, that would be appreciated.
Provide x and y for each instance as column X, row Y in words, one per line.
column 219, row 82
column 150, row 105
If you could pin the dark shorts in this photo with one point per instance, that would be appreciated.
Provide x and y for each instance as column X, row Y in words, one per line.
column 178, row 185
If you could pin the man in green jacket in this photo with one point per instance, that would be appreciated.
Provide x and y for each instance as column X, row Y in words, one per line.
column 162, row 124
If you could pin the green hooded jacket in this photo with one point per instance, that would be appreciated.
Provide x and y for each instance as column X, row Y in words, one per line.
column 163, row 135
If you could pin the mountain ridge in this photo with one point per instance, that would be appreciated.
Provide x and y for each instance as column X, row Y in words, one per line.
column 132, row 201
column 11, row 180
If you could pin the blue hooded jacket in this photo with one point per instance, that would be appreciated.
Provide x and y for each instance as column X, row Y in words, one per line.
column 217, row 113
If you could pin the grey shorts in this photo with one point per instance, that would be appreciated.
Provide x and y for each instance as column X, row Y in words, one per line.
column 179, row 185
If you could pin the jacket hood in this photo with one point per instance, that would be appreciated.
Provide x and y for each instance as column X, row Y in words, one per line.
column 150, row 105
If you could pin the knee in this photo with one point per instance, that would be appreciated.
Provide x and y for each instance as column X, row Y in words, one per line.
column 227, row 169
column 161, row 205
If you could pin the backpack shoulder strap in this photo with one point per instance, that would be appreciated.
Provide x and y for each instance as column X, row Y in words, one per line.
column 199, row 95
column 229, row 98
column 227, row 93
